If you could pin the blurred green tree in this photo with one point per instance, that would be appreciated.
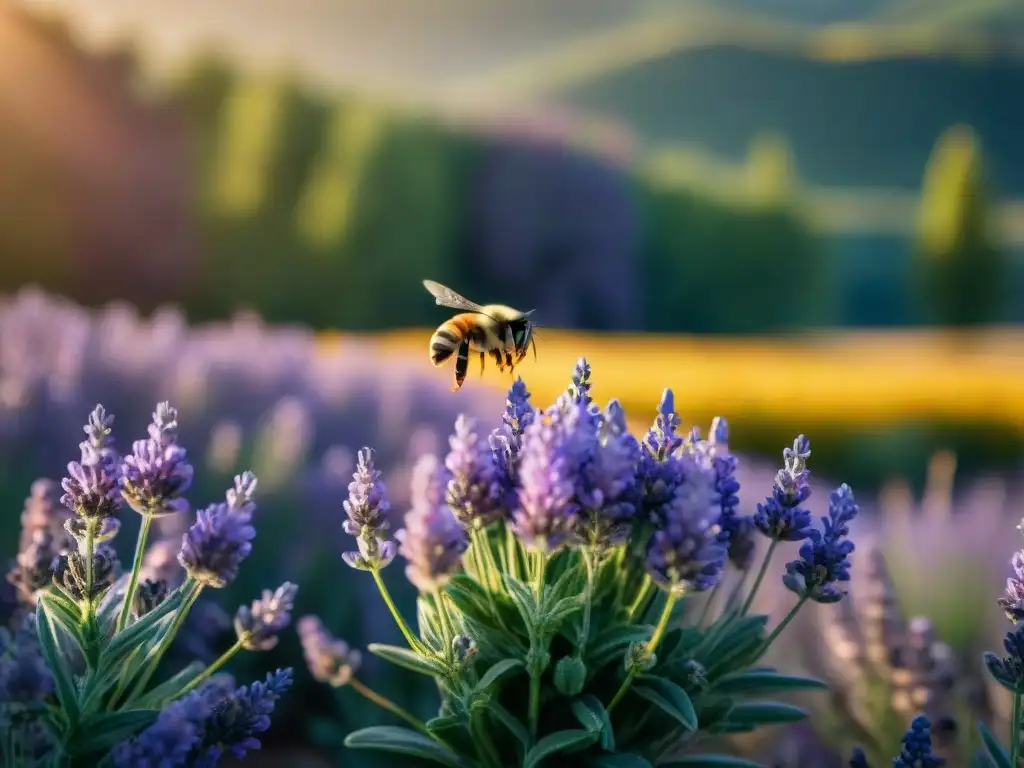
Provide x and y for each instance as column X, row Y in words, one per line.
column 771, row 171
column 959, row 270
column 715, row 267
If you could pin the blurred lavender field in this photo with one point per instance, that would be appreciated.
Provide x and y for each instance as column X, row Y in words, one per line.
column 250, row 397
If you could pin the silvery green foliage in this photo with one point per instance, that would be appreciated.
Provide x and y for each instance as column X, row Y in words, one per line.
column 574, row 614
column 77, row 679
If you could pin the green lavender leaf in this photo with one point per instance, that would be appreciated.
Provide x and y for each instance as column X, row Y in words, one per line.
column 403, row 741
column 497, row 672
column 408, row 659
column 676, row 696
column 994, row 750
column 764, row 681
column 67, row 694
column 132, row 637
column 102, row 731
column 426, row 618
column 507, row 719
column 593, row 716
column 758, row 713
column 655, row 697
column 171, row 688
column 552, row 618
column 560, row 741
column 470, row 601
column 524, row 601
column 66, row 613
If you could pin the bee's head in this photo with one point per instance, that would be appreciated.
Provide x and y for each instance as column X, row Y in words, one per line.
column 522, row 335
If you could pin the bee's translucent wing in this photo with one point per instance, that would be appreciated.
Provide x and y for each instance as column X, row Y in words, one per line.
column 446, row 297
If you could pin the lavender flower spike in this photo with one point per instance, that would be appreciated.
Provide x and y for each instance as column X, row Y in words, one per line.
column 258, row 626
column 506, row 441
column 685, row 554
column 156, row 474
column 329, row 659
column 474, row 494
column 237, row 719
column 823, row 557
column 579, row 389
column 780, row 517
column 221, row 538
column 1013, row 602
column 432, row 542
column 91, row 487
column 917, row 747
column 547, row 513
column 367, row 507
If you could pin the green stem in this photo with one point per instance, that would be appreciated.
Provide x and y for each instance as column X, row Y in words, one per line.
column 512, row 551
column 210, row 670
column 588, row 597
column 649, row 649
column 641, row 599
column 483, row 541
column 410, row 638
column 133, row 583
column 783, row 624
column 447, row 633
column 90, row 543
column 192, row 590
column 760, row 577
column 390, row 706
column 540, row 566
column 1015, row 731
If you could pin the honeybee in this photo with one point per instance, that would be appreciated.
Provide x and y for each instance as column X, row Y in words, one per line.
column 502, row 332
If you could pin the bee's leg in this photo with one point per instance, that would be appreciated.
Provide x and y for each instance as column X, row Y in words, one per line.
column 461, row 365
column 496, row 354
column 483, row 358
column 509, row 345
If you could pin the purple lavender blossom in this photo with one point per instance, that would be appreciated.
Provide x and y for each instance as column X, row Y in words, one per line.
column 556, row 447
column 237, row 719
column 474, row 494
column 1013, row 602
column 506, row 441
column 330, row 660
column 917, row 747
column 221, row 538
column 156, row 474
column 737, row 530
column 428, row 484
column 91, row 487
column 24, row 676
column 1008, row 671
column 858, row 759
column 367, row 507
column 823, row 556
column 780, row 517
column 33, row 567
column 660, row 470
column 613, row 478
column 43, row 511
column 173, row 739
column 684, row 552
column 258, row 626
column 432, row 542
column 579, row 389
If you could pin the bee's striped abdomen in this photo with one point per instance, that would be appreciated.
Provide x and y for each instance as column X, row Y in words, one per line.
column 446, row 339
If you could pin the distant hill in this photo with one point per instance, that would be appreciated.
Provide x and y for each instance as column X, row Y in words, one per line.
column 856, row 124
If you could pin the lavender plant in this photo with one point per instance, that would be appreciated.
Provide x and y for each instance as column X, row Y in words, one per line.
column 559, row 565
column 76, row 676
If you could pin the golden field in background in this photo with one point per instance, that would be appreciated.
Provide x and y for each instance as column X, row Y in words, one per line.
column 861, row 379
